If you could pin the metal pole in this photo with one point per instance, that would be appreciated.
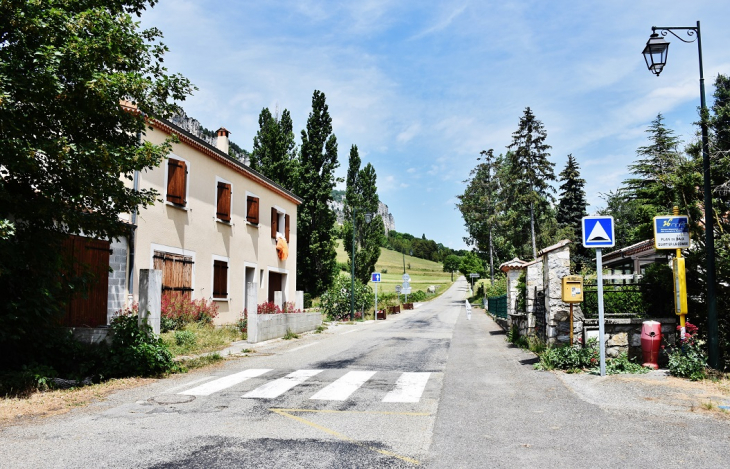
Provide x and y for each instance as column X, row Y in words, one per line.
column 571, row 324
column 601, row 335
column 376, row 302
column 713, row 341
column 352, row 277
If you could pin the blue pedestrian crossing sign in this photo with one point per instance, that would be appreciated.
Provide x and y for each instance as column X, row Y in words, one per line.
column 376, row 277
column 598, row 232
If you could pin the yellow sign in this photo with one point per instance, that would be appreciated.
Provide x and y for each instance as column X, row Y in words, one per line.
column 573, row 289
column 680, row 286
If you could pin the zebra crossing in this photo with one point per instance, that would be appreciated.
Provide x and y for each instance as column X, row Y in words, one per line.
column 408, row 388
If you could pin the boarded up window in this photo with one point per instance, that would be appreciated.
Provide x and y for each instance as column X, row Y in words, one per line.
column 252, row 209
column 177, row 272
column 223, row 211
column 176, row 181
column 87, row 308
column 220, row 279
column 287, row 227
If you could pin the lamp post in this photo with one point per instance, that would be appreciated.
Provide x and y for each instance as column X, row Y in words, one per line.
column 655, row 55
column 368, row 217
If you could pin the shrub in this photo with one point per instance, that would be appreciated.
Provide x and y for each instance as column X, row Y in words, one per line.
column 485, row 289
column 185, row 338
column 242, row 323
column 622, row 364
column 384, row 271
column 268, row 308
column 419, row 295
column 522, row 292
column 307, row 300
column 136, row 351
column 688, row 359
column 336, row 300
column 569, row 357
column 178, row 310
column 343, row 267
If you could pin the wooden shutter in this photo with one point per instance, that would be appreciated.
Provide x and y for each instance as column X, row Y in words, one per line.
column 91, row 256
column 176, row 179
column 252, row 209
column 177, row 272
column 286, row 225
column 224, row 202
column 274, row 222
column 220, row 279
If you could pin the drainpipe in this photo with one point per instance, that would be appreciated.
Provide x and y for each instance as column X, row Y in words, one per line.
column 133, row 230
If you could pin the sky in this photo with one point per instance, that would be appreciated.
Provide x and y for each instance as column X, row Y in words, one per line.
column 421, row 87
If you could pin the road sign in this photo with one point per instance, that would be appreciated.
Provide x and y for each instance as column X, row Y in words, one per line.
column 474, row 275
column 598, row 232
column 397, row 289
column 671, row 232
column 406, row 278
column 406, row 291
column 376, row 277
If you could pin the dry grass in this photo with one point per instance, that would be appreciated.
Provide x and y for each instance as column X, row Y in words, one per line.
column 207, row 339
column 44, row 404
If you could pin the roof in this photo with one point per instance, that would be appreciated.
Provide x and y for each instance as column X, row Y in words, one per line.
column 514, row 264
column 216, row 154
column 642, row 247
column 558, row 245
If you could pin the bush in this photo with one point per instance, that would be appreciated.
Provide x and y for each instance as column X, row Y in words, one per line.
column 569, row 357
column 178, row 310
column 416, row 296
column 136, row 351
column 185, row 338
column 343, row 267
column 336, row 300
column 688, row 359
column 272, row 308
column 622, row 364
column 485, row 289
column 384, row 271
column 307, row 300
column 242, row 324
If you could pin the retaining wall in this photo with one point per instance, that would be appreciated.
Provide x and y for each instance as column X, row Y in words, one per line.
column 273, row 326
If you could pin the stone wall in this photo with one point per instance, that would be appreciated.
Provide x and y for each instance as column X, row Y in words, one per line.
column 512, row 278
column 117, row 277
column 624, row 334
column 273, row 326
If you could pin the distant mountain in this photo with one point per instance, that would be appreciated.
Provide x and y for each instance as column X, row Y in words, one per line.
column 338, row 206
column 209, row 136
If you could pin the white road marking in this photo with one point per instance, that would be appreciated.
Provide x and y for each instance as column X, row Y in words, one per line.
column 349, row 332
column 223, row 383
column 280, row 386
column 343, row 387
column 303, row 346
column 408, row 388
column 169, row 391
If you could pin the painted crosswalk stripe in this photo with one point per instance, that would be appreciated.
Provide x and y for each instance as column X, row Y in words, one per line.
column 408, row 388
column 223, row 383
column 280, row 386
column 343, row 387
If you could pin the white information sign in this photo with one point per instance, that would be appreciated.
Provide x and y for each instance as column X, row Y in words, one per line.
column 671, row 232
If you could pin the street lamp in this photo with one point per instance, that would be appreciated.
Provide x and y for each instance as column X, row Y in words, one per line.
column 368, row 217
column 655, row 55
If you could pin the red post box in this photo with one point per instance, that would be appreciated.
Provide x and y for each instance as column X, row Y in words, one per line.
column 651, row 340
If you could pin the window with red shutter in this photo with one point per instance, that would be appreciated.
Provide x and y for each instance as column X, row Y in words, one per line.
column 286, row 225
column 176, row 181
column 252, row 209
column 220, row 279
column 223, row 211
column 274, row 222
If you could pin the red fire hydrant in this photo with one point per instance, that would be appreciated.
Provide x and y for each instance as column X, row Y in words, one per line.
column 651, row 339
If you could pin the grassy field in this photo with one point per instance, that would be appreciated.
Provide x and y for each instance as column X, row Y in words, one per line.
column 423, row 273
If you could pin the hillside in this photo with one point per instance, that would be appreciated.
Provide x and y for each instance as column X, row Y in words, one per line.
column 423, row 273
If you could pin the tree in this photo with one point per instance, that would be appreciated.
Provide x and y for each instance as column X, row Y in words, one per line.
column 572, row 208
column 274, row 149
column 64, row 67
column 471, row 264
column 361, row 199
column 452, row 264
column 316, row 255
column 530, row 170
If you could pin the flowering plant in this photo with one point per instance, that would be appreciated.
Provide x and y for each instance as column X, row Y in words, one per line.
column 688, row 358
column 178, row 310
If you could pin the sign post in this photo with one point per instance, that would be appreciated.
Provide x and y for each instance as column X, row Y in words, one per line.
column 672, row 232
column 472, row 276
column 598, row 232
column 406, row 287
column 376, row 280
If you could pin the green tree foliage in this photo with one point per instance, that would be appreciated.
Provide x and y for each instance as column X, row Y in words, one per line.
column 316, row 255
column 529, row 173
column 452, row 262
column 571, row 209
column 274, row 149
column 64, row 67
column 361, row 198
column 471, row 263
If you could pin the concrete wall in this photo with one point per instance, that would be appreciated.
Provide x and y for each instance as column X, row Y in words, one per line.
column 273, row 326
column 512, row 276
column 196, row 232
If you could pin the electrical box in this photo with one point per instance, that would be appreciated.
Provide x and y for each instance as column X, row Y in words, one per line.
column 573, row 289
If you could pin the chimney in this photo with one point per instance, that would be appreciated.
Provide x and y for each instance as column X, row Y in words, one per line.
column 222, row 141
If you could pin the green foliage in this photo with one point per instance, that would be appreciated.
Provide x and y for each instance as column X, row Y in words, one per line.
column 485, row 289
column 290, row 335
column 417, row 296
column 274, row 149
column 452, row 262
column 179, row 311
column 185, row 338
column 569, row 358
column 136, row 351
column 471, row 264
column 521, row 303
column 657, row 290
column 622, row 364
column 570, row 211
column 315, row 220
column 688, row 359
column 69, row 149
column 336, row 301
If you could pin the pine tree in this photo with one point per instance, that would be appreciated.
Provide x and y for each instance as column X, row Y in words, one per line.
column 361, row 199
column 274, row 149
column 572, row 203
column 530, row 170
column 316, row 255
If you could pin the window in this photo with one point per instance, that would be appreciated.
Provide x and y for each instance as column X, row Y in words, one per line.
column 177, row 272
column 177, row 180
column 252, row 209
column 223, row 201
column 279, row 223
column 220, row 279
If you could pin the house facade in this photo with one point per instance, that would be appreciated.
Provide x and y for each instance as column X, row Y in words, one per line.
column 214, row 230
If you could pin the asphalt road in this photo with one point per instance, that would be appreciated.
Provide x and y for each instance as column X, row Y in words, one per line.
column 427, row 387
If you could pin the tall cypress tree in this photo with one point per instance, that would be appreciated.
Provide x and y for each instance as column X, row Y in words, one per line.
column 316, row 255
column 274, row 149
column 572, row 203
column 361, row 199
column 530, row 170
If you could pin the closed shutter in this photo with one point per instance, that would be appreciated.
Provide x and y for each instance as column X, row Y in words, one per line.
column 176, row 181
column 87, row 308
column 274, row 222
column 286, row 224
column 224, row 202
column 177, row 272
column 252, row 209
column 220, row 279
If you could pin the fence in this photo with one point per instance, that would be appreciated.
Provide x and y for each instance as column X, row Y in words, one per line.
column 498, row 306
column 619, row 300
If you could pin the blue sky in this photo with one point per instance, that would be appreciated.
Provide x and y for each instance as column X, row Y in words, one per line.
column 421, row 87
